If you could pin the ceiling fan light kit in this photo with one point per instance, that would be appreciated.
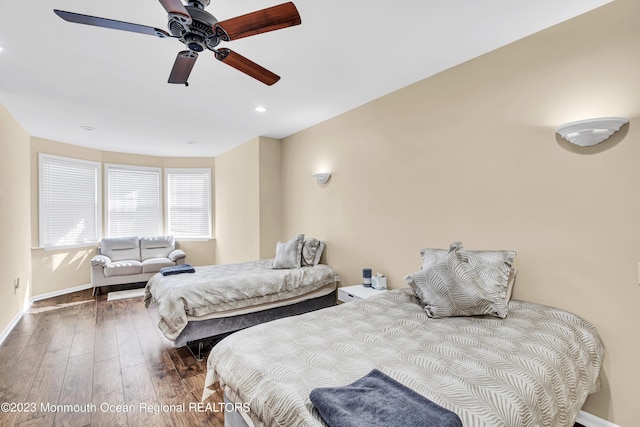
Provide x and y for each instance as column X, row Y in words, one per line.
column 199, row 30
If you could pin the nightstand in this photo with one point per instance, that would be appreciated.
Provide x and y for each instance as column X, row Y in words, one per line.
column 356, row 292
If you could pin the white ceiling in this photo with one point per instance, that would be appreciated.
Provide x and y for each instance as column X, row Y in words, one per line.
column 56, row 77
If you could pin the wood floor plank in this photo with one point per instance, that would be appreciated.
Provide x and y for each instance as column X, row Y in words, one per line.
column 129, row 349
column 140, row 316
column 25, row 326
column 105, row 342
column 77, row 389
column 62, row 336
column 43, row 331
column 108, row 394
column 17, row 378
column 139, row 391
column 45, row 389
column 83, row 341
column 156, row 352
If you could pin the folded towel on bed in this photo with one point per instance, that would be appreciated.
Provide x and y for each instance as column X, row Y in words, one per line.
column 177, row 269
column 378, row 400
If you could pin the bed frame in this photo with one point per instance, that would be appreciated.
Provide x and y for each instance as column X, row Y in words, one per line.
column 198, row 335
column 235, row 418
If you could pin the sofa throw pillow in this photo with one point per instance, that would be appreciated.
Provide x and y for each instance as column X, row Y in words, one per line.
column 289, row 254
column 494, row 266
column 452, row 287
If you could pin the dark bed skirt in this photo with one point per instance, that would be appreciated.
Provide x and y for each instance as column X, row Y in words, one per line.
column 199, row 330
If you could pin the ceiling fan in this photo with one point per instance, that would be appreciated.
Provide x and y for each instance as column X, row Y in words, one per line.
column 199, row 30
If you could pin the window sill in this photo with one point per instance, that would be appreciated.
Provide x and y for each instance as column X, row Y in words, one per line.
column 91, row 245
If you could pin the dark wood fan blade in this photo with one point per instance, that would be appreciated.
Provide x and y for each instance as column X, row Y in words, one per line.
column 261, row 21
column 246, row 66
column 182, row 67
column 110, row 23
column 176, row 9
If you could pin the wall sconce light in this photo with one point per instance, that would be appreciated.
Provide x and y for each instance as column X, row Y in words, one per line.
column 321, row 178
column 586, row 133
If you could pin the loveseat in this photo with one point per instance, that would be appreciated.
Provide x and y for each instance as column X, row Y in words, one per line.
column 123, row 260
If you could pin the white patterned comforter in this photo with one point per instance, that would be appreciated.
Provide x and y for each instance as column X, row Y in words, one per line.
column 216, row 288
column 534, row 368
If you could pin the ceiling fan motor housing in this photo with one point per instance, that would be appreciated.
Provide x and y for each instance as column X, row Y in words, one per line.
column 200, row 34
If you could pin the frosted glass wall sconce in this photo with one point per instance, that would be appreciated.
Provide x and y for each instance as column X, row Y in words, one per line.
column 586, row 133
column 321, row 178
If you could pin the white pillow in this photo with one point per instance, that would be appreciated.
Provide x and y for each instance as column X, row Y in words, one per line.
column 289, row 254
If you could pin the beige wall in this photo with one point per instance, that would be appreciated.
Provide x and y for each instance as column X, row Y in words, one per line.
column 15, row 260
column 57, row 270
column 248, row 203
column 270, row 196
column 471, row 155
column 237, row 204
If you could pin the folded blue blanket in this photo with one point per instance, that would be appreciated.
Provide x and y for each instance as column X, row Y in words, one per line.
column 378, row 400
column 177, row 269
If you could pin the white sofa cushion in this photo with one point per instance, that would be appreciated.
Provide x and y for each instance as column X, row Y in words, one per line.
column 153, row 265
column 156, row 247
column 121, row 248
column 123, row 268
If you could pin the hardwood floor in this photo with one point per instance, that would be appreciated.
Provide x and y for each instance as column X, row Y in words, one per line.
column 105, row 357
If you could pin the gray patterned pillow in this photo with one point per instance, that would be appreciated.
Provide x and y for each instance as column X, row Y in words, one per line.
column 453, row 287
column 316, row 260
column 311, row 251
column 493, row 266
column 289, row 254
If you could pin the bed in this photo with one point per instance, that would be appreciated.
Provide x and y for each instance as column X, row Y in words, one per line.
column 218, row 299
column 535, row 367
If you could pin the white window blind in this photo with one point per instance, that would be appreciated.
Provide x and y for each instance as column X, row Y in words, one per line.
column 189, row 203
column 69, row 198
column 134, row 207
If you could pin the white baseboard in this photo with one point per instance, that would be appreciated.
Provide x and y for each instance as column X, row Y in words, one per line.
column 58, row 293
column 10, row 326
column 588, row 420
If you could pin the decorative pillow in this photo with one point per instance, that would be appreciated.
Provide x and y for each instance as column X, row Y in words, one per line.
column 512, row 281
column 289, row 254
column 319, row 252
column 494, row 266
column 309, row 249
column 453, row 287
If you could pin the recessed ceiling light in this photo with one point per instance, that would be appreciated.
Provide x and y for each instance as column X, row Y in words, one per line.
column 192, row 142
column 84, row 127
column 261, row 109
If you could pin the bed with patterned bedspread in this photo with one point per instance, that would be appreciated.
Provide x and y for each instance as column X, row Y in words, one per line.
column 535, row 367
column 224, row 293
